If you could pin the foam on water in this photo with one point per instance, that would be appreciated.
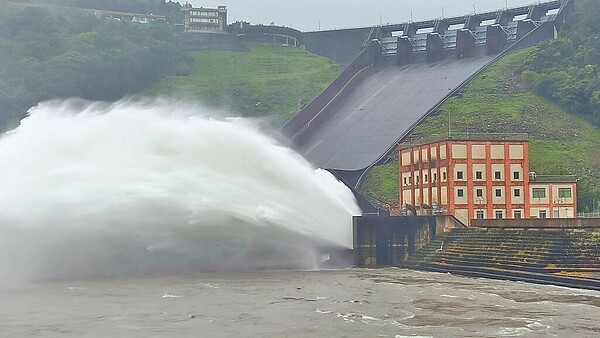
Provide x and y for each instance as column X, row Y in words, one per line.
column 153, row 187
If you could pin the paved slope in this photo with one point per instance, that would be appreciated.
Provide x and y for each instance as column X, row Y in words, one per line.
column 379, row 110
column 560, row 257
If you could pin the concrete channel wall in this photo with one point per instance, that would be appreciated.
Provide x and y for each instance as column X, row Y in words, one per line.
column 342, row 83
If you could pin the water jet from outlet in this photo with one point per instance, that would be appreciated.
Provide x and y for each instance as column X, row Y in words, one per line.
column 99, row 189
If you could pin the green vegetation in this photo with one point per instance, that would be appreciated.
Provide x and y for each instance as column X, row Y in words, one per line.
column 567, row 70
column 267, row 81
column 381, row 186
column 47, row 53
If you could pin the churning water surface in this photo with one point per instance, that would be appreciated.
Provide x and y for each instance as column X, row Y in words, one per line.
column 344, row 303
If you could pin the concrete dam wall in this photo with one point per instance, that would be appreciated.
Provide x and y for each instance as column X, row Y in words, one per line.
column 342, row 46
column 402, row 74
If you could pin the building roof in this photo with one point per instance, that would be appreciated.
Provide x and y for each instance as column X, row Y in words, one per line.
column 188, row 7
column 468, row 137
column 533, row 178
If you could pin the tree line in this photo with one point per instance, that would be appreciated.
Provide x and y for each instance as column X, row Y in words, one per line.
column 49, row 53
column 170, row 9
column 567, row 70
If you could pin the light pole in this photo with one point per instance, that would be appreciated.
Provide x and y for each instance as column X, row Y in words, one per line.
column 480, row 202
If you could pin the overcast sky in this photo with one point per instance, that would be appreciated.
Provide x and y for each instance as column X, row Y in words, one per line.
column 307, row 15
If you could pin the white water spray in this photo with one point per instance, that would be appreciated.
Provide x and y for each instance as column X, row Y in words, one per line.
column 97, row 189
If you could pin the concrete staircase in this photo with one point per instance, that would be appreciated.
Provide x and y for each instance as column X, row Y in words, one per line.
column 567, row 258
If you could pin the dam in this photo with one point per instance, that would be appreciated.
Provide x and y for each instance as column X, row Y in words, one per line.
column 402, row 74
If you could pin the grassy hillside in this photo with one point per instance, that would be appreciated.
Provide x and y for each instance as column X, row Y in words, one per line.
column 267, row 81
column 497, row 101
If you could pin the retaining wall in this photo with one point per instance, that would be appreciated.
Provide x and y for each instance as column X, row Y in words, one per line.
column 342, row 46
column 363, row 61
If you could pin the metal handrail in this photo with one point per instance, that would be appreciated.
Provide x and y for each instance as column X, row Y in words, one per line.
column 588, row 215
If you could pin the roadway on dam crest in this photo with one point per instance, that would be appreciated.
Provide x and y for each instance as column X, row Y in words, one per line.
column 379, row 110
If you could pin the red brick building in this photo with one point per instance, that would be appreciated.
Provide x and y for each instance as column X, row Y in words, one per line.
column 481, row 179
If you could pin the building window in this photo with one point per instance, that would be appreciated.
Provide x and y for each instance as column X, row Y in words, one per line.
column 517, row 192
column 542, row 213
column 517, row 214
column 417, row 180
column 426, row 178
column 479, row 192
column 478, row 175
column 564, row 193
column 459, row 175
column 498, row 214
column 539, row 193
column 460, row 192
column 516, row 175
column 434, row 177
column 498, row 175
column 405, row 181
column 479, row 214
column 498, row 192
column 444, row 176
